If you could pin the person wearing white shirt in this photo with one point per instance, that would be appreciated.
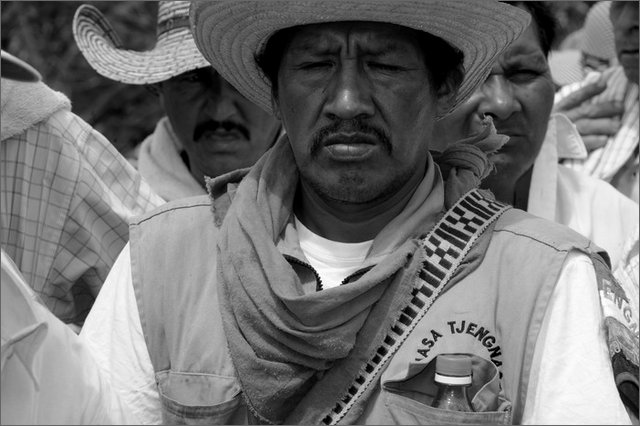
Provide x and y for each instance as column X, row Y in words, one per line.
column 48, row 374
column 518, row 95
column 320, row 285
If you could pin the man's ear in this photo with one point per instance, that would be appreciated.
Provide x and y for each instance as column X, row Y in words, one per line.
column 448, row 91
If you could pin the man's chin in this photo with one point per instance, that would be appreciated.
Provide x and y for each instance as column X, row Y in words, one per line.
column 348, row 189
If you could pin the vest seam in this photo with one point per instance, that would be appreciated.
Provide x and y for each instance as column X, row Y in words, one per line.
column 198, row 373
column 545, row 243
column 540, row 310
column 169, row 209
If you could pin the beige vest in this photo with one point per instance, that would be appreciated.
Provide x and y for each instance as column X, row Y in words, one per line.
column 495, row 313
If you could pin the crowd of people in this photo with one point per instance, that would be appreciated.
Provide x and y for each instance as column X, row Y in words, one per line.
column 340, row 191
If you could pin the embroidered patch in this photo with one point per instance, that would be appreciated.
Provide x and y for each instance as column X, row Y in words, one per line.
column 465, row 328
column 445, row 246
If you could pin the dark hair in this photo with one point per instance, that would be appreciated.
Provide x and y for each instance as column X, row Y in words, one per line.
column 545, row 20
column 442, row 59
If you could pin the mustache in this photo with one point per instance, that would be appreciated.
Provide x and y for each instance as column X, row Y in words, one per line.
column 355, row 125
column 226, row 125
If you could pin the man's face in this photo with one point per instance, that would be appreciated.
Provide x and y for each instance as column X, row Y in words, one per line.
column 518, row 95
column 624, row 18
column 220, row 129
column 358, row 106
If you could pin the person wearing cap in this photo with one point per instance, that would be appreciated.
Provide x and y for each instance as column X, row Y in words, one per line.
column 594, row 48
column 48, row 374
column 320, row 285
column 596, row 119
column 67, row 195
column 518, row 95
column 615, row 159
column 209, row 128
column 597, row 42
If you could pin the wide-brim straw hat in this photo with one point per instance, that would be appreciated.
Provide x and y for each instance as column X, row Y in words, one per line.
column 229, row 33
column 175, row 51
column 16, row 69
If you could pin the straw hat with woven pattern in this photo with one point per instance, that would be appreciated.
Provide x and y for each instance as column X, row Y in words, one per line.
column 229, row 33
column 174, row 53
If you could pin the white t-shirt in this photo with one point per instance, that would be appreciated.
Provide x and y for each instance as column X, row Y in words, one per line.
column 574, row 382
column 332, row 260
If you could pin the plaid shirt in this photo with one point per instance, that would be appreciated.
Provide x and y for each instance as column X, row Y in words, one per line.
column 621, row 150
column 67, row 196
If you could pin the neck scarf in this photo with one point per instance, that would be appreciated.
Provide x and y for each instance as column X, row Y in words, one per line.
column 294, row 352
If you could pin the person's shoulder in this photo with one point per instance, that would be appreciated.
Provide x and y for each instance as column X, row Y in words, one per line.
column 26, row 105
column 177, row 209
column 583, row 180
column 601, row 194
column 517, row 224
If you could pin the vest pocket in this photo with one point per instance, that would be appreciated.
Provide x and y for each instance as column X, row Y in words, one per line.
column 189, row 398
column 408, row 401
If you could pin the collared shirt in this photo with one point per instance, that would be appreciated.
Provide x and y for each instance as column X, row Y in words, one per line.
column 159, row 162
column 587, row 205
column 48, row 375
column 67, row 196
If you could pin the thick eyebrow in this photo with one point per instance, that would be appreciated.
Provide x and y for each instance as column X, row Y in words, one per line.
column 532, row 56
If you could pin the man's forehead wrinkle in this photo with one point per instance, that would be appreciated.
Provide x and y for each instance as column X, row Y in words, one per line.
column 314, row 42
column 527, row 54
column 364, row 40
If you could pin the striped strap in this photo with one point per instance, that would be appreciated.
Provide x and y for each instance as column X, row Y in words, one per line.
column 446, row 245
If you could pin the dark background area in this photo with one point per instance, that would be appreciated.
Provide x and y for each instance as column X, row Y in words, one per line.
column 40, row 33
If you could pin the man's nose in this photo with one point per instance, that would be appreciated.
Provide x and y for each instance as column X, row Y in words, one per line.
column 349, row 94
column 496, row 98
column 222, row 102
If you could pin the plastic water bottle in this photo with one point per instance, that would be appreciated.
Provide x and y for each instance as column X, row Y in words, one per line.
column 453, row 376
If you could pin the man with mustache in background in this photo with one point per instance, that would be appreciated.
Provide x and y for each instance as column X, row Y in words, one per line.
column 210, row 129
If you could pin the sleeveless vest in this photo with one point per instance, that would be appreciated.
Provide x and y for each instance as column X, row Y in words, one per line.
column 494, row 312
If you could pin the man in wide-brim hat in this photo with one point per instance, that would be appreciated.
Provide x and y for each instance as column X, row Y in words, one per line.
column 209, row 129
column 320, row 286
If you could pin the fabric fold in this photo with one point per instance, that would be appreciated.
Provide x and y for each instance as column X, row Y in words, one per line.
column 466, row 162
column 280, row 338
column 292, row 350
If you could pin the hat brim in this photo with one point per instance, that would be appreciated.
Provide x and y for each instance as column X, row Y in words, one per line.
column 102, row 48
column 16, row 69
column 229, row 33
